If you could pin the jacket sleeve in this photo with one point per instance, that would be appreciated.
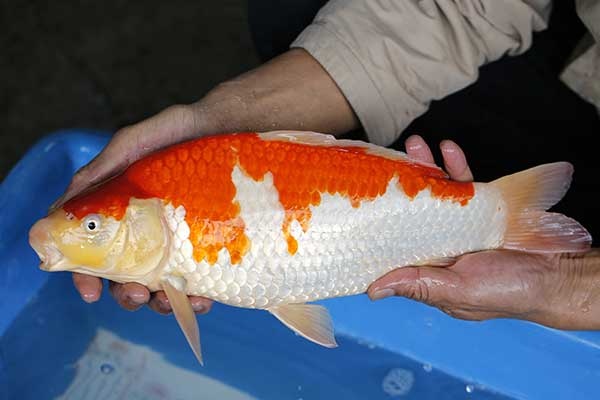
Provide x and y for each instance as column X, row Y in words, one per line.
column 582, row 72
column 391, row 58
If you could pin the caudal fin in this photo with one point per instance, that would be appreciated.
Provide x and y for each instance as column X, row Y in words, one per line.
column 528, row 194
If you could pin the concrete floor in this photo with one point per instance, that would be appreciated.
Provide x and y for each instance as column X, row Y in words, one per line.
column 102, row 65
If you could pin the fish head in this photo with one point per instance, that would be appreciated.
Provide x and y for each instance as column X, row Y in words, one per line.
column 121, row 249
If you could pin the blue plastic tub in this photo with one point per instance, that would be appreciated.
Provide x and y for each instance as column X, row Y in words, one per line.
column 54, row 345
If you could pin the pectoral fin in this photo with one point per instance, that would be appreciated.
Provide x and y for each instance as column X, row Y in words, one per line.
column 184, row 314
column 310, row 321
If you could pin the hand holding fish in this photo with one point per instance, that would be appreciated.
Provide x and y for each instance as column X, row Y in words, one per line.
column 556, row 290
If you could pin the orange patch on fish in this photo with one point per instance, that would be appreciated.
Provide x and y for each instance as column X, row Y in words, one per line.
column 197, row 175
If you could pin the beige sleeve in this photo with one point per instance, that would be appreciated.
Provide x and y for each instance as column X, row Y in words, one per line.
column 391, row 58
column 582, row 73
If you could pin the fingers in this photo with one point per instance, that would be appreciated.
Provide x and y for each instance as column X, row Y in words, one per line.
column 104, row 165
column 89, row 287
column 130, row 296
column 160, row 303
column 417, row 149
column 430, row 285
column 455, row 162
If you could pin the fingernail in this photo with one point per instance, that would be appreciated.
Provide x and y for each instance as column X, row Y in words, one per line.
column 88, row 297
column 382, row 294
column 448, row 149
column 198, row 308
column 448, row 146
column 417, row 146
column 136, row 298
column 164, row 308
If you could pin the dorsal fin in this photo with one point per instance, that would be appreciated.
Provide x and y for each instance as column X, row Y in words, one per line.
column 322, row 139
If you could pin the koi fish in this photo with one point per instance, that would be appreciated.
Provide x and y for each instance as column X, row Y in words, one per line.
column 276, row 220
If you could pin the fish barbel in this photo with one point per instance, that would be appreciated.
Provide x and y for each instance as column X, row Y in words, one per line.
column 279, row 219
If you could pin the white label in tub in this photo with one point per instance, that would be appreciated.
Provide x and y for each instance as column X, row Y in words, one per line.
column 113, row 368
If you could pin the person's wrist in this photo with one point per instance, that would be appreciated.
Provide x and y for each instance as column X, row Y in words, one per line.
column 219, row 111
column 292, row 91
column 573, row 293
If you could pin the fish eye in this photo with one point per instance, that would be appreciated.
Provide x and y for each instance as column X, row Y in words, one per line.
column 91, row 223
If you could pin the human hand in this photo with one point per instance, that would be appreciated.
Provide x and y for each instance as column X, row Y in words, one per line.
column 554, row 290
column 172, row 125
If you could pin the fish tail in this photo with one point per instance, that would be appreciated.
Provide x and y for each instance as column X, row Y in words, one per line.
column 528, row 194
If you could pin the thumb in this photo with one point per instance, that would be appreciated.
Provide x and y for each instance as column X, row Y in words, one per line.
column 430, row 285
column 106, row 163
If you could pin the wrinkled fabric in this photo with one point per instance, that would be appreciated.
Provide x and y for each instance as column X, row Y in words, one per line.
column 391, row 58
column 582, row 73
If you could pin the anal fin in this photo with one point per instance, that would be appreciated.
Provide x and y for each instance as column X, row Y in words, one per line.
column 184, row 314
column 310, row 321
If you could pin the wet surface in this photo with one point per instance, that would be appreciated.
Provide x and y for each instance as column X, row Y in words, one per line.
column 246, row 350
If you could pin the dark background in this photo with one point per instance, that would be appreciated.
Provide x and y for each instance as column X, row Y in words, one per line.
column 103, row 65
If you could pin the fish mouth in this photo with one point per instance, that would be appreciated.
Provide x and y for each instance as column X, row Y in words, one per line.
column 43, row 244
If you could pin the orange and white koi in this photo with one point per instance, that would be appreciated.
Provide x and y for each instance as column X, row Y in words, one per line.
column 279, row 219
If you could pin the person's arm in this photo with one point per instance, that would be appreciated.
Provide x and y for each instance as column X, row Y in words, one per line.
column 291, row 91
column 561, row 290
column 392, row 58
